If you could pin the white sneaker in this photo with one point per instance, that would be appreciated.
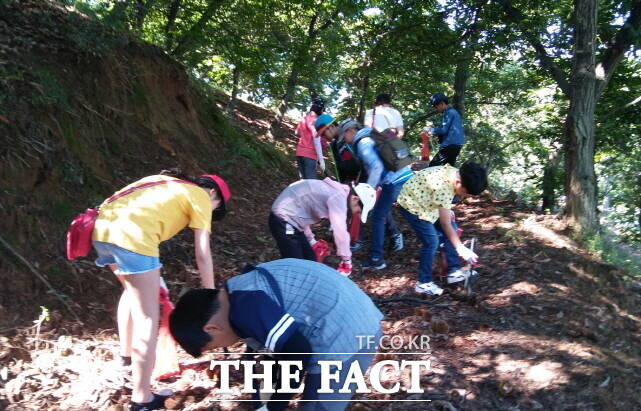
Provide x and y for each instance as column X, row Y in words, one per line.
column 457, row 276
column 428, row 288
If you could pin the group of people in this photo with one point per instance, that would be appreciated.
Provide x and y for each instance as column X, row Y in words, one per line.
column 293, row 305
column 424, row 197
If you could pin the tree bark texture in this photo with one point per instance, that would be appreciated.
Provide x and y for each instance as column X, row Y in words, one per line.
column 580, row 183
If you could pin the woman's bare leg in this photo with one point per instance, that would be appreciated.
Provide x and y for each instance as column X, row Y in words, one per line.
column 125, row 323
column 142, row 295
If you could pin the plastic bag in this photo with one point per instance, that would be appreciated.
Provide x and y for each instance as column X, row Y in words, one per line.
column 166, row 349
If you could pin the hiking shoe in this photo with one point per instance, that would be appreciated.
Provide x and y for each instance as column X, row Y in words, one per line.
column 359, row 245
column 156, row 403
column 397, row 242
column 373, row 264
column 428, row 288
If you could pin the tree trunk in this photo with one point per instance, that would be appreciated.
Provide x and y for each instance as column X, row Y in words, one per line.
column 460, row 80
column 639, row 202
column 548, row 185
column 292, row 80
column 234, row 90
column 185, row 42
column 361, row 103
column 172, row 13
column 301, row 58
column 284, row 101
column 580, row 184
column 141, row 8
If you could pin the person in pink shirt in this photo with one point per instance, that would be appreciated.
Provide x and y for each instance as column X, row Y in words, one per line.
column 306, row 202
column 309, row 151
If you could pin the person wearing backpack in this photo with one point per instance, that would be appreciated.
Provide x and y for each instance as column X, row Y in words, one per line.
column 306, row 202
column 388, row 165
column 127, row 234
column 450, row 134
column 384, row 118
column 309, row 151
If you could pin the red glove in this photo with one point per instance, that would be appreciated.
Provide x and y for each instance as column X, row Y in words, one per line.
column 345, row 267
column 321, row 249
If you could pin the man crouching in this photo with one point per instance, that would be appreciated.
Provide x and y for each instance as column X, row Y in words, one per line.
column 285, row 306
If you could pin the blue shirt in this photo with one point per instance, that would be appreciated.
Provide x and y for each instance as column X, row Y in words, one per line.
column 328, row 309
column 451, row 129
column 254, row 315
column 376, row 172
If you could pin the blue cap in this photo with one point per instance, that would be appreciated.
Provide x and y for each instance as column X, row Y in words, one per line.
column 437, row 98
column 323, row 121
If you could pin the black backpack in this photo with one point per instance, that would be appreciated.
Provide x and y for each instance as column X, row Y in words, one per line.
column 392, row 150
column 348, row 166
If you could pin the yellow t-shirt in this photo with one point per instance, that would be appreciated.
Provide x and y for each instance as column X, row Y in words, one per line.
column 141, row 220
column 429, row 190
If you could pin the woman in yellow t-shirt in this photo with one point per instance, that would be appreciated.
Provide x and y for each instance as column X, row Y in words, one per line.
column 127, row 235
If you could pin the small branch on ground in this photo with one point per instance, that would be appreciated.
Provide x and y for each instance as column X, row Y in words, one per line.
column 40, row 277
column 433, row 303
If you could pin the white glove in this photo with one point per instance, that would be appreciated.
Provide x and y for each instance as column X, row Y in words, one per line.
column 428, row 130
column 319, row 152
column 321, row 164
column 467, row 254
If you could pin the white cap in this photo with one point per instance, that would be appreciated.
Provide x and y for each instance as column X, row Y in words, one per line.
column 367, row 195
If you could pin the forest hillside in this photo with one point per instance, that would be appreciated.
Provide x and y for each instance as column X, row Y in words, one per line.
column 85, row 110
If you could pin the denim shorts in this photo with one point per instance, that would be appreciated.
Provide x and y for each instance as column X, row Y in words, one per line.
column 127, row 261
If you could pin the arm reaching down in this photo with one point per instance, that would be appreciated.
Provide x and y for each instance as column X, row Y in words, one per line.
column 319, row 152
column 203, row 258
column 337, row 208
column 464, row 252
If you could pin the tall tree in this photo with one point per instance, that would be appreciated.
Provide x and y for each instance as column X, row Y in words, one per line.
column 582, row 87
column 317, row 25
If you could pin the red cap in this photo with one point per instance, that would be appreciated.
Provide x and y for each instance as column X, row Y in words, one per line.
column 222, row 186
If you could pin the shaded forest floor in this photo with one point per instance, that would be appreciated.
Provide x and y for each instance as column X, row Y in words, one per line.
column 548, row 327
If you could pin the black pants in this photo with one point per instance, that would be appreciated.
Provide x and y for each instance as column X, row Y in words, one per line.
column 294, row 245
column 446, row 155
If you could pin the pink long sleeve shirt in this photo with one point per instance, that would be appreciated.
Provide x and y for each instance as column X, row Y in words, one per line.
column 306, row 202
column 306, row 133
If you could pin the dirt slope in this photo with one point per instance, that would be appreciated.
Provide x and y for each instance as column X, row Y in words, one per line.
column 84, row 111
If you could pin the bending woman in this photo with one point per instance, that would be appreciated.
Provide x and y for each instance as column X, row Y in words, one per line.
column 306, row 202
column 129, row 229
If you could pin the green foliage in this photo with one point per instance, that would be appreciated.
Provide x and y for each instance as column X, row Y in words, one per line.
column 239, row 145
column 615, row 253
column 514, row 113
